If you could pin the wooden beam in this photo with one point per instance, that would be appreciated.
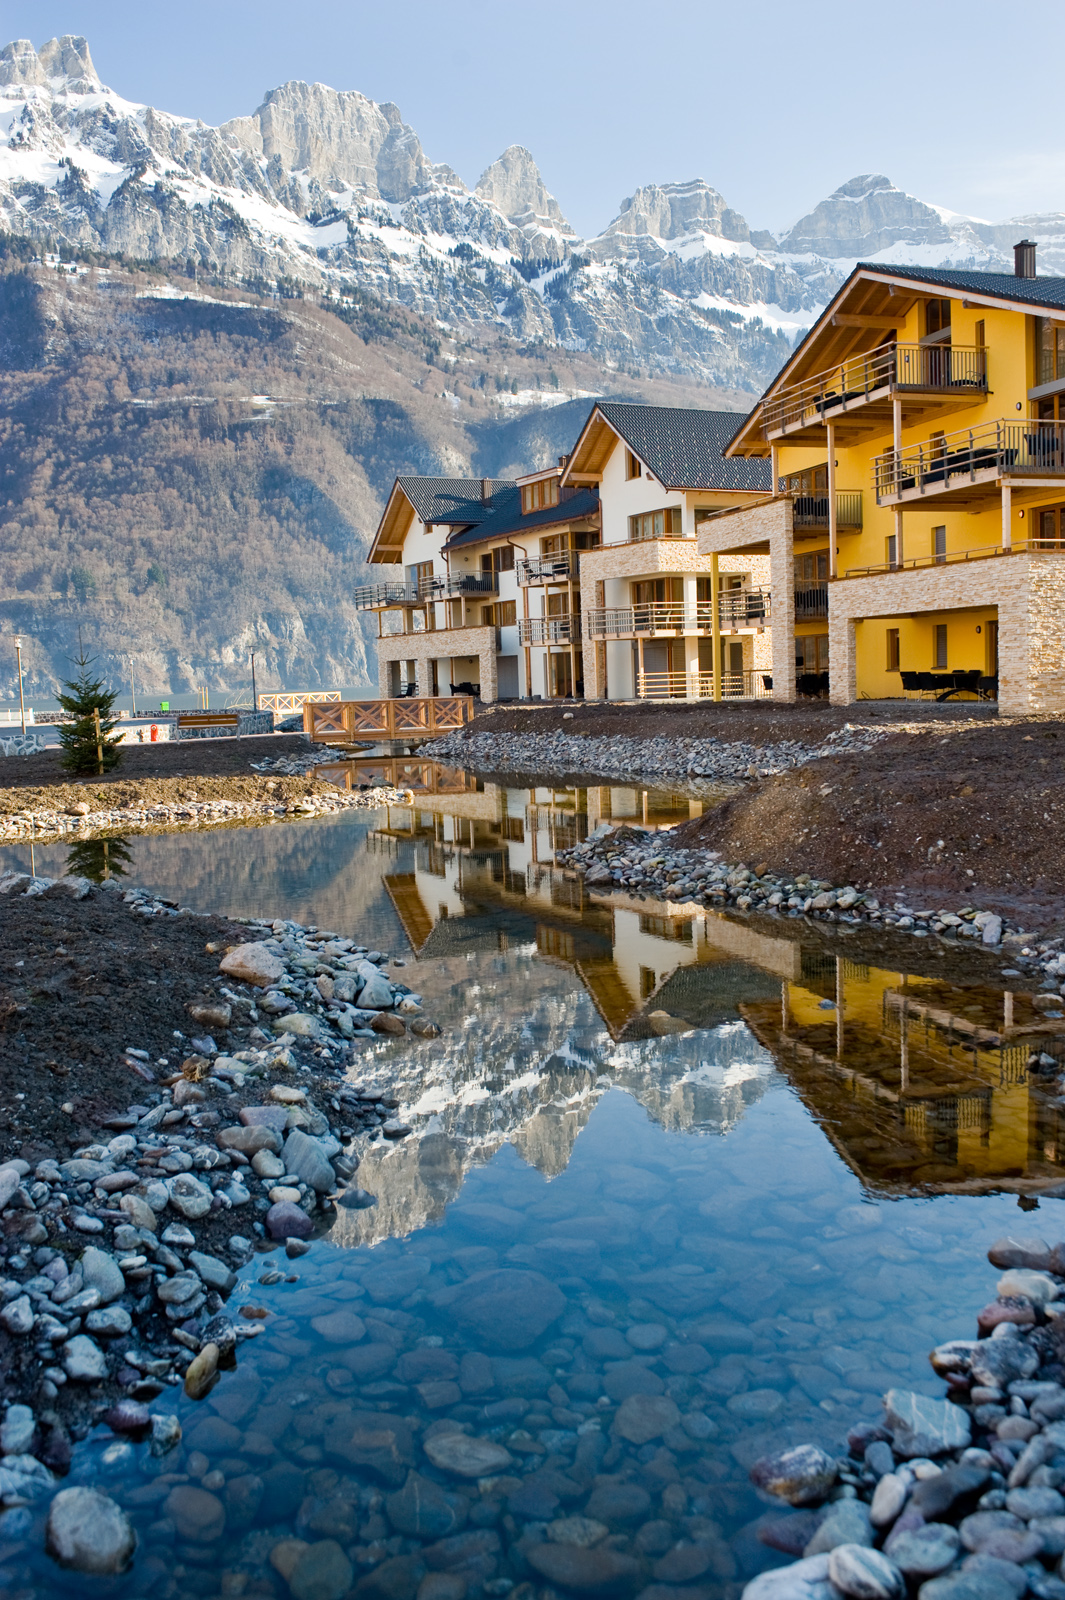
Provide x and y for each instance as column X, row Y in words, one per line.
column 843, row 319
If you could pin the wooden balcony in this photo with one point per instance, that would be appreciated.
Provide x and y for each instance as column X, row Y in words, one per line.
column 972, row 463
column 660, row 617
column 700, row 686
column 809, row 512
column 857, row 393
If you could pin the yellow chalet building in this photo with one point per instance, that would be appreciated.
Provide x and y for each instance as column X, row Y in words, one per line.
column 926, row 411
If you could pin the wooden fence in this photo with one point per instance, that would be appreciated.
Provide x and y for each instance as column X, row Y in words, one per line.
column 352, row 721
column 284, row 704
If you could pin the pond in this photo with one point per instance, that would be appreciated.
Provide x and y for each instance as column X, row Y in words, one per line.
column 681, row 1188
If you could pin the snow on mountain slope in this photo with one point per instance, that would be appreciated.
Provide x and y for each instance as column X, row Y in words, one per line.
column 327, row 189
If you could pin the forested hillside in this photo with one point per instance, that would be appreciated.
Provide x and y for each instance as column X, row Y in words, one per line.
column 189, row 474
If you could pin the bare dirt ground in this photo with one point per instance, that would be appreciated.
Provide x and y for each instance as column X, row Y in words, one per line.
column 158, row 774
column 968, row 817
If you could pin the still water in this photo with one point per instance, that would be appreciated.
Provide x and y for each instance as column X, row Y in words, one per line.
column 681, row 1188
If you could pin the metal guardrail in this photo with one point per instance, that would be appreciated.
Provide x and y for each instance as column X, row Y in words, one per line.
column 549, row 569
column 744, row 608
column 811, row 601
column 282, row 704
column 371, row 596
column 984, row 552
column 933, row 368
column 1004, row 448
column 351, row 721
column 549, row 630
column 750, row 685
column 658, row 617
column 811, row 510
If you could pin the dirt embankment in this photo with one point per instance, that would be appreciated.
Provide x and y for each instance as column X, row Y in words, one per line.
column 972, row 816
column 159, row 774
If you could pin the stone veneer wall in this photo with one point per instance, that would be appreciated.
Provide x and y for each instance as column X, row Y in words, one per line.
column 440, row 644
column 1029, row 591
column 768, row 523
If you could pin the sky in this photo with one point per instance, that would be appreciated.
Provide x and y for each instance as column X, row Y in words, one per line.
column 774, row 105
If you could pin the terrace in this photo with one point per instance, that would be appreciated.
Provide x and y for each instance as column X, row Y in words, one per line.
column 972, row 461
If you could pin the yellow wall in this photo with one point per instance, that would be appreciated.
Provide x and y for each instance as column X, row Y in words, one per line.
column 966, row 649
column 1010, row 343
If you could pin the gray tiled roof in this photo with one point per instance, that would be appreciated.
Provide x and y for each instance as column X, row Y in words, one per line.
column 1033, row 291
column 585, row 503
column 457, row 501
column 683, row 447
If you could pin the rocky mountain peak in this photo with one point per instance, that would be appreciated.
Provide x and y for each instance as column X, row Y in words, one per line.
column 863, row 217
column 513, row 183
column 66, row 59
column 675, row 210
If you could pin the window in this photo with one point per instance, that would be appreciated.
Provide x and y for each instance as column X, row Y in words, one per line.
column 939, row 546
column 558, row 605
column 536, row 496
column 940, row 661
column 503, row 615
column 937, row 319
column 1048, row 524
column 812, row 568
column 501, row 559
column 892, row 550
column 813, row 481
column 978, row 335
column 421, row 573
column 657, row 591
column 633, row 465
column 811, row 652
column 1049, row 350
column 893, row 650
column 664, row 524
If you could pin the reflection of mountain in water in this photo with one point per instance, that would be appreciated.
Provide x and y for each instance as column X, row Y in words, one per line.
column 523, row 1059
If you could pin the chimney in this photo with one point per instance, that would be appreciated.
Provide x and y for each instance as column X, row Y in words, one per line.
column 1024, row 259
column 486, row 483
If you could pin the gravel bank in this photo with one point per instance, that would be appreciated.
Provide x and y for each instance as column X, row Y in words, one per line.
column 665, row 756
column 950, row 1499
column 142, row 1161
column 661, row 866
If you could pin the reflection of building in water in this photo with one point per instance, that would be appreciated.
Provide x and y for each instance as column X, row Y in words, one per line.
column 485, row 877
column 918, row 1082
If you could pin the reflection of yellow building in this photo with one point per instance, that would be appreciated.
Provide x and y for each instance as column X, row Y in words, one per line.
column 916, row 1081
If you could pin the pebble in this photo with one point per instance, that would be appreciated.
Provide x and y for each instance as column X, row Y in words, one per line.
column 87, row 1532
column 84, row 1361
column 467, row 1457
column 865, row 1574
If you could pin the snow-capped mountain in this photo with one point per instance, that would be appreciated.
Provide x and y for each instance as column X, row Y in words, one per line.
column 329, row 190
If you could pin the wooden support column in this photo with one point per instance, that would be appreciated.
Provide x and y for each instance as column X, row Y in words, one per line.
column 831, row 499
column 1007, row 516
column 898, row 535
column 640, row 674
column 774, row 467
column 715, row 623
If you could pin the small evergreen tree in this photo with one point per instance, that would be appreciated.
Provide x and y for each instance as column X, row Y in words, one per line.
column 88, row 741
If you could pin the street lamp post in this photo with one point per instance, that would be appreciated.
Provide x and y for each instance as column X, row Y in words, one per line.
column 21, row 697
column 132, row 688
column 254, row 696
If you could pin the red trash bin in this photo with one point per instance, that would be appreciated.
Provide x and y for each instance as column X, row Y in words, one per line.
column 155, row 732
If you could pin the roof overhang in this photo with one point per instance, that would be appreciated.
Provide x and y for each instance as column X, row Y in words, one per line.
column 859, row 316
column 592, row 451
column 392, row 530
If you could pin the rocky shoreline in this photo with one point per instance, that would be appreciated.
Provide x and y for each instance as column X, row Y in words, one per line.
column 627, row 757
column 947, row 1499
column 82, row 822
column 121, row 1240
column 649, row 865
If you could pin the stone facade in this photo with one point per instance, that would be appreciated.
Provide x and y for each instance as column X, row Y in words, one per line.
column 768, row 524
column 1027, row 589
column 440, row 644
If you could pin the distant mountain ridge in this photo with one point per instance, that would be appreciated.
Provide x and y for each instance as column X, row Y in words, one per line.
column 327, row 189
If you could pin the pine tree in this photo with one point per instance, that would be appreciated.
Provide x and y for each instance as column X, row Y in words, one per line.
column 88, row 741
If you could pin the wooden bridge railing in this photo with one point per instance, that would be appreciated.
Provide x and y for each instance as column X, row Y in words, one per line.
column 295, row 701
column 352, row 721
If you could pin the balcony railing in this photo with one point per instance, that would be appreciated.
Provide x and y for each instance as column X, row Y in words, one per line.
column 811, row 601
column 549, row 569
column 665, row 616
column 549, row 630
column 932, row 368
column 811, row 510
column 985, row 552
column 700, row 686
column 373, row 596
column 743, row 608
column 997, row 449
